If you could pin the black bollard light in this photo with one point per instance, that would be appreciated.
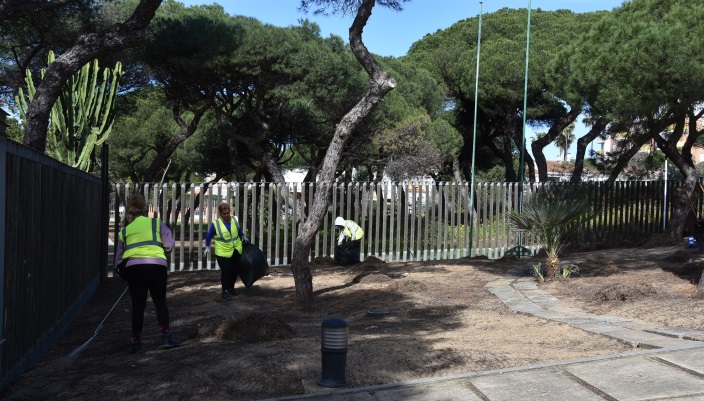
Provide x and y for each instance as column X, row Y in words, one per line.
column 334, row 351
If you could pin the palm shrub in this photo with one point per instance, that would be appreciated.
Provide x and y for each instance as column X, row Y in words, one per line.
column 549, row 219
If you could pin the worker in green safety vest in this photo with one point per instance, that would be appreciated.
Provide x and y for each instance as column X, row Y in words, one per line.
column 350, row 233
column 140, row 259
column 228, row 237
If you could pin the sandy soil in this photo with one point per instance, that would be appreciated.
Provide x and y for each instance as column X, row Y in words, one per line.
column 441, row 321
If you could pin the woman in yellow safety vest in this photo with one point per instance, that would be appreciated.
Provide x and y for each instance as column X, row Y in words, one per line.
column 348, row 230
column 141, row 245
column 228, row 239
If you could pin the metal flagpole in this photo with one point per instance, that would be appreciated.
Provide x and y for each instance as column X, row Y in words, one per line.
column 519, row 249
column 474, row 135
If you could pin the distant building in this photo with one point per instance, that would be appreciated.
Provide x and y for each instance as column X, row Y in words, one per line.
column 611, row 143
column 562, row 171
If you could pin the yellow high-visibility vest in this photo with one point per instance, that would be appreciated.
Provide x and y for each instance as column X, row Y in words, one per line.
column 226, row 241
column 352, row 230
column 142, row 239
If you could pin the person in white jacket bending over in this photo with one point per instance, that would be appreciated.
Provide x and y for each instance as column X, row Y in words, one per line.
column 350, row 233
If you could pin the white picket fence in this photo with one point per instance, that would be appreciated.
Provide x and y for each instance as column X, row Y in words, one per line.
column 402, row 221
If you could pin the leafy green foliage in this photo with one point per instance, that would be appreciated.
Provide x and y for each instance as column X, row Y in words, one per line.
column 451, row 55
column 29, row 33
column 406, row 131
column 188, row 50
column 645, row 166
column 641, row 56
column 143, row 129
column 538, row 272
column 642, row 67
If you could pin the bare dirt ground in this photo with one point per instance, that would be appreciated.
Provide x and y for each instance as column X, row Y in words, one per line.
column 441, row 321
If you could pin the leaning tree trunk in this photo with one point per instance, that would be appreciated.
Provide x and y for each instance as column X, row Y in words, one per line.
column 582, row 143
column 379, row 85
column 682, row 205
column 539, row 144
column 185, row 131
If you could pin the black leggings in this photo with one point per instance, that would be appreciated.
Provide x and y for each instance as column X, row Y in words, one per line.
column 143, row 278
column 229, row 270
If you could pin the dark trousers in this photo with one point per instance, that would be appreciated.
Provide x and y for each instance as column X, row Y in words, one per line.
column 143, row 279
column 229, row 270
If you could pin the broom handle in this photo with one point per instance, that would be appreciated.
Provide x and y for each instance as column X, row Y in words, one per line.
column 100, row 326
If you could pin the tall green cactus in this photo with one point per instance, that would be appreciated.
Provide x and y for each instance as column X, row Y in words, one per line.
column 82, row 116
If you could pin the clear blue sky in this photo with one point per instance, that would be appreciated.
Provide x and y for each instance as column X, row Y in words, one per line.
column 390, row 33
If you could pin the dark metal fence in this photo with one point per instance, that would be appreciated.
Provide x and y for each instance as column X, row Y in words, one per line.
column 53, row 242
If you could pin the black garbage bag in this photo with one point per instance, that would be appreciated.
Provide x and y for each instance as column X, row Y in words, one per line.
column 253, row 264
column 346, row 255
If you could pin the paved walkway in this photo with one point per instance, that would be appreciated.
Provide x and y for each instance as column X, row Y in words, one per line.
column 668, row 366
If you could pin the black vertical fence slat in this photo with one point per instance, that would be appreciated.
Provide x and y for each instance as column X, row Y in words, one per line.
column 608, row 211
column 658, row 205
column 613, row 211
column 631, row 207
column 644, row 198
column 601, row 211
column 616, row 211
column 650, row 213
column 589, row 221
column 628, row 206
column 639, row 214
column 104, row 209
column 655, row 211
column 657, row 202
column 610, row 191
column 638, row 203
column 620, row 205
column 661, row 206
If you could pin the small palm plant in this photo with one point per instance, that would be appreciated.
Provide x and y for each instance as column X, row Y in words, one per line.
column 549, row 219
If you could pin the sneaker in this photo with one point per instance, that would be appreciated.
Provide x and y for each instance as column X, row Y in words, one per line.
column 136, row 347
column 226, row 295
column 167, row 341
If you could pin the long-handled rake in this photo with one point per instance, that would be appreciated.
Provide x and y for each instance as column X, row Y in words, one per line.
column 73, row 355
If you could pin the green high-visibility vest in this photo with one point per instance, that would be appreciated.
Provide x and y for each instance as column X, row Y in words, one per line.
column 142, row 239
column 352, row 230
column 226, row 241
